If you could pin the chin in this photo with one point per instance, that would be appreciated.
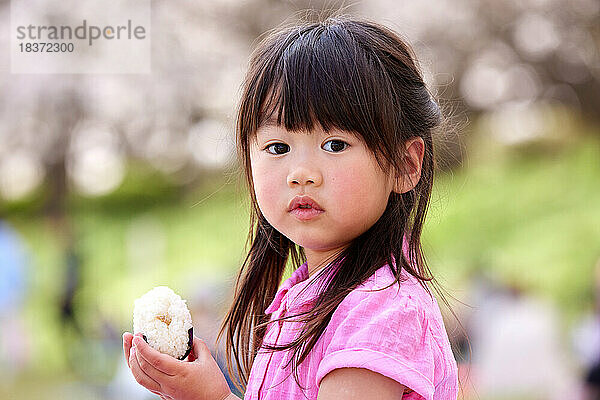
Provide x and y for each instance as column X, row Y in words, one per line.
column 307, row 242
column 315, row 245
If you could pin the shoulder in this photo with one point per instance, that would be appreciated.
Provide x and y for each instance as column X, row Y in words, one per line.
column 382, row 315
column 383, row 326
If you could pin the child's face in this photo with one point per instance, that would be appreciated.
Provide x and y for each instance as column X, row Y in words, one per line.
column 335, row 169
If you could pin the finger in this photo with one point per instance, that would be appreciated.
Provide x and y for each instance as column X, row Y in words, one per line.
column 162, row 362
column 161, row 395
column 199, row 349
column 127, row 337
column 149, row 370
column 140, row 376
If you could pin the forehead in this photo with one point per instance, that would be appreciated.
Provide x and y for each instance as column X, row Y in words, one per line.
column 270, row 122
column 270, row 125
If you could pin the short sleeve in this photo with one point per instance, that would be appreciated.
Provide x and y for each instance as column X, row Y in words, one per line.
column 385, row 332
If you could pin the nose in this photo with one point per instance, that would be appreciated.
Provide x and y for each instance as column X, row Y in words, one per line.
column 303, row 175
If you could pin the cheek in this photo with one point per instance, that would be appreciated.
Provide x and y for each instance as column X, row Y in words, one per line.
column 266, row 182
column 361, row 189
column 350, row 187
column 345, row 183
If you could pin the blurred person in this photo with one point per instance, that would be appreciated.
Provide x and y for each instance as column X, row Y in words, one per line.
column 72, row 333
column 205, row 309
column 336, row 113
column 460, row 340
column 97, row 339
column 69, row 289
column 14, row 342
column 586, row 343
column 517, row 349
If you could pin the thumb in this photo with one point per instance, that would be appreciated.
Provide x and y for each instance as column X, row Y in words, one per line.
column 199, row 349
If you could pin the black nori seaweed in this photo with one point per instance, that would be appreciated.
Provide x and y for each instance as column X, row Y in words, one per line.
column 190, row 343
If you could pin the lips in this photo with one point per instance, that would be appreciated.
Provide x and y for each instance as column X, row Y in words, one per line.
column 304, row 202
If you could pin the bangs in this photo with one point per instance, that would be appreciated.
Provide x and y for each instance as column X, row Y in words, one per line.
column 319, row 74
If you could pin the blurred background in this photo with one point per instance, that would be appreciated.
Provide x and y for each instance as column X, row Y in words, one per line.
column 113, row 184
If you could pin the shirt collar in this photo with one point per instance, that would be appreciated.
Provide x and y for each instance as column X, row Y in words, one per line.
column 299, row 275
column 299, row 289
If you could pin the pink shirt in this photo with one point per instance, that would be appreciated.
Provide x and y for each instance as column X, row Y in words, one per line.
column 397, row 333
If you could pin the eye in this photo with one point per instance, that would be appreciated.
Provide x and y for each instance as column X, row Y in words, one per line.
column 335, row 146
column 278, row 148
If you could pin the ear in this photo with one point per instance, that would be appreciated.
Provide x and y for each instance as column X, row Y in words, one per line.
column 412, row 161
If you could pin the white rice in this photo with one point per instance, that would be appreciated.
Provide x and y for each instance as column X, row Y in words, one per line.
column 163, row 317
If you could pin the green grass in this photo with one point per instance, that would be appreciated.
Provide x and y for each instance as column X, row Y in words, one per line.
column 533, row 219
column 125, row 251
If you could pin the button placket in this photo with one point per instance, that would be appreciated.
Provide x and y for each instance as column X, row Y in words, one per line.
column 278, row 314
column 287, row 294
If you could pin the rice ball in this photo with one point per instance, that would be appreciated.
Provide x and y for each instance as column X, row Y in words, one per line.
column 164, row 320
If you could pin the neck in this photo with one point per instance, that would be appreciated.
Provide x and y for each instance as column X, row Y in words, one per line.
column 317, row 259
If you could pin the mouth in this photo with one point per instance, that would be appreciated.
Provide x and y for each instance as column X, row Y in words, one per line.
column 304, row 203
column 304, row 208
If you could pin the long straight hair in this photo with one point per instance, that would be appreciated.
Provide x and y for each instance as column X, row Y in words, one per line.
column 359, row 77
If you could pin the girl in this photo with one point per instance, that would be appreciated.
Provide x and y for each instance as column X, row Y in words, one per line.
column 335, row 135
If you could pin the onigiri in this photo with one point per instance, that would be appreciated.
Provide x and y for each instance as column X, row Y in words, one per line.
column 164, row 320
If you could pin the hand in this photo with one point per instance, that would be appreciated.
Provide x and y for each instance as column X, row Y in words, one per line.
column 198, row 378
